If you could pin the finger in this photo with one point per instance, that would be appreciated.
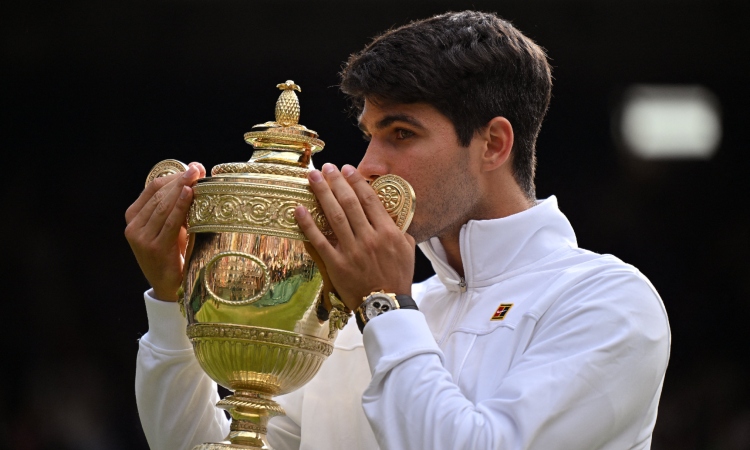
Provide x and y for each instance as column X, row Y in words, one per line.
column 348, row 199
column 201, row 169
column 368, row 198
column 152, row 188
column 155, row 186
column 175, row 221
column 331, row 208
column 152, row 217
column 318, row 241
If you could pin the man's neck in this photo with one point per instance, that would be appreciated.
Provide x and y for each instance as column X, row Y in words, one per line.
column 451, row 240
column 452, row 248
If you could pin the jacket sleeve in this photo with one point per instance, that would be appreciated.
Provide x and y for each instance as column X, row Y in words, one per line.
column 175, row 397
column 592, row 367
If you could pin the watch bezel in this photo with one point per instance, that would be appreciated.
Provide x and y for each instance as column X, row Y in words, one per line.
column 370, row 309
column 406, row 302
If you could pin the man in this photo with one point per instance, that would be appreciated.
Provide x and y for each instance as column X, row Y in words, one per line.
column 521, row 340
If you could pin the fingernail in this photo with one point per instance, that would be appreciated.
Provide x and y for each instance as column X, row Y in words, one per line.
column 184, row 193
column 328, row 168
column 300, row 211
column 315, row 176
column 347, row 170
column 190, row 172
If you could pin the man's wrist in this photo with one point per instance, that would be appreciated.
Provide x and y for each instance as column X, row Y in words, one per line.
column 164, row 297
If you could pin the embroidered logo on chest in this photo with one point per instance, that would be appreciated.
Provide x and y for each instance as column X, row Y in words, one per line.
column 502, row 311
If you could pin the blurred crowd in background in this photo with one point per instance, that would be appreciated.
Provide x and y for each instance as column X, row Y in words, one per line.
column 644, row 146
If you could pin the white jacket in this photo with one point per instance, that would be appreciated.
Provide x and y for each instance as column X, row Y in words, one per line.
column 577, row 361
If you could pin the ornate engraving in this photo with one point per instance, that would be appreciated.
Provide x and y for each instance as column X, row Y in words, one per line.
column 398, row 198
column 262, row 404
column 252, row 208
column 271, row 139
column 212, row 446
column 391, row 198
column 264, row 335
column 247, row 426
column 250, row 167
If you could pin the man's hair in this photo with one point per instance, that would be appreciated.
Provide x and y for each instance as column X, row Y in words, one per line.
column 471, row 66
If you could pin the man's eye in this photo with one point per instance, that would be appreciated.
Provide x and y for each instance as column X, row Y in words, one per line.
column 403, row 134
column 366, row 137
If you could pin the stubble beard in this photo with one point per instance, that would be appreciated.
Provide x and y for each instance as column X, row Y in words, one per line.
column 453, row 203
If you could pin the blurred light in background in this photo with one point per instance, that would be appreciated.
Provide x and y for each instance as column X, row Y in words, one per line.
column 670, row 122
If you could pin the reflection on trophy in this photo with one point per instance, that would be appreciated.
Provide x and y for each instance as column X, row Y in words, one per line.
column 257, row 315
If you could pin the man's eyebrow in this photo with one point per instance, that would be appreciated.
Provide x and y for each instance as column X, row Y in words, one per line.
column 390, row 119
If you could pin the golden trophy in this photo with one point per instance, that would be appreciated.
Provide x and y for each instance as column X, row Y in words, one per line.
column 258, row 318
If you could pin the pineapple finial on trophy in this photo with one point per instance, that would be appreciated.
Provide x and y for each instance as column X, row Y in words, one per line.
column 287, row 106
column 285, row 134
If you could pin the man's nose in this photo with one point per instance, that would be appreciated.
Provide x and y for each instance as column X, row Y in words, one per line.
column 372, row 165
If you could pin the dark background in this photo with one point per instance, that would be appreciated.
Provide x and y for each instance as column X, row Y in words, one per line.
column 95, row 92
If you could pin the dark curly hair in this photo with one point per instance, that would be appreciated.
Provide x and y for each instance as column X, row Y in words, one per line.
column 471, row 66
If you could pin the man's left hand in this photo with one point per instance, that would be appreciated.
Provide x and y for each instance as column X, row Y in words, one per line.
column 369, row 253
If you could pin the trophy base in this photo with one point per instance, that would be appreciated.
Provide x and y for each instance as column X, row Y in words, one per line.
column 213, row 446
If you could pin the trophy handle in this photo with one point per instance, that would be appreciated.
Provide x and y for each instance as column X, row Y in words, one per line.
column 247, row 301
column 164, row 168
column 398, row 198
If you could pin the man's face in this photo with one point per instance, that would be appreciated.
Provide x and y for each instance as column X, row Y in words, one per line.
column 418, row 143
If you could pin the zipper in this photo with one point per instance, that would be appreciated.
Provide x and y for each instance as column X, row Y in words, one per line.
column 462, row 285
column 460, row 306
column 458, row 311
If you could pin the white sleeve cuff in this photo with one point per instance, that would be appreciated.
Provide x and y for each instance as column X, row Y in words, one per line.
column 396, row 336
column 166, row 324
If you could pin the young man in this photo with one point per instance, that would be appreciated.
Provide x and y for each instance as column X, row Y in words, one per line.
column 521, row 340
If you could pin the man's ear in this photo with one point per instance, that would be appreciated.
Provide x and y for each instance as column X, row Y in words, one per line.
column 498, row 136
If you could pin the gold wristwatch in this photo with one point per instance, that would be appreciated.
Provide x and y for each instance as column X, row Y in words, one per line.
column 378, row 303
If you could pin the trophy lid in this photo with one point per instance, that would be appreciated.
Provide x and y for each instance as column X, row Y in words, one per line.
column 285, row 133
column 283, row 146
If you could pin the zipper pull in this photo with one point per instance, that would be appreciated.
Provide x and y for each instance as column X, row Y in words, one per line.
column 462, row 284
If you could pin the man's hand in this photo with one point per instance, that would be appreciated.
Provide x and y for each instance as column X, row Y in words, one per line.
column 156, row 229
column 370, row 252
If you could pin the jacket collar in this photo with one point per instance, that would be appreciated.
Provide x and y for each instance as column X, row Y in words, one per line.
column 492, row 250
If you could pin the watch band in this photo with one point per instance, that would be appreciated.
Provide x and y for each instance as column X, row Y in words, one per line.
column 406, row 302
column 403, row 301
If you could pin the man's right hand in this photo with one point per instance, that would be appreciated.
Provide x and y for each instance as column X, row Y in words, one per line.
column 156, row 229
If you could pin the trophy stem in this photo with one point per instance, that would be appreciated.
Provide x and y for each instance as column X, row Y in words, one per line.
column 250, row 411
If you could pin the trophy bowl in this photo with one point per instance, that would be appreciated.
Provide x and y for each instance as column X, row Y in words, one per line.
column 259, row 318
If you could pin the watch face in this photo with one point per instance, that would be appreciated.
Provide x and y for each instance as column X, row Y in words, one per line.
column 377, row 305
